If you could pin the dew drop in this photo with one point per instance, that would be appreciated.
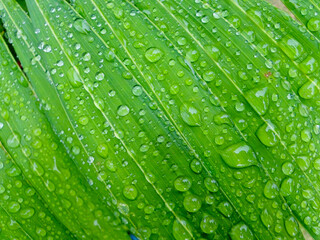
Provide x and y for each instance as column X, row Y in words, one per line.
column 123, row 110
column 102, row 150
column 270, row 190
column 241, row 232
column 266, row 135
column 82, row 26
column 239, row 155
column 130, row 192
column 258, row 99
column 291, row 226
column 192, row 203
column 13, row 140
column 225, row 208
column 266, row 218
column 182, row 184
column 153, row 54
column 190, row 115
column 208, row 224
column 74, row 77
column 181, row 229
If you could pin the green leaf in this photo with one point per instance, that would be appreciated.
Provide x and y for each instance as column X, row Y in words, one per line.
column 23, row 214
column 28, row 138
column 193, row 120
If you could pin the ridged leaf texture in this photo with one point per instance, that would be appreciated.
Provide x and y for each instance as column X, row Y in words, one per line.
column 159, row 119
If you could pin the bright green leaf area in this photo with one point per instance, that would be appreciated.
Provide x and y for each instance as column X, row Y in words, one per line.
column 164, row 119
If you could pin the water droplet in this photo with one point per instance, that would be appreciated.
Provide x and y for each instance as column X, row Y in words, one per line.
column 266, row 135
column 192, row 56
column 239, row 155
column 287, row 168
column 27, row 213
column 153, row 54
column 86, row 57
column 74, row 77
column 99, row 76
column 181, row 230
column 303, row 162
column 258, row 99
column 102, row 150
column 123, row 208
column 190, row 115
column 209, row 76
column 225, row 208
column 314, row 24
column 196, row 166
column 83, row 120
column 309, row 65
column 208, row 224
column 192, row 203
column 137, row 90
column 291, row 47
column 270, row 190
column 308, row 90
column 13, row 207
column 241, row 232
column 182, row 184
column 123, row 110
column 291, row 226
column 13, row 140
column 213, row 52
column 37, row 168
column 82, row 26
column 266, row 218
column 211, row 184
column 130, row 192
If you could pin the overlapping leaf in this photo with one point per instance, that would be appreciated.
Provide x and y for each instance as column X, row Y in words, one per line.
column 190, row 120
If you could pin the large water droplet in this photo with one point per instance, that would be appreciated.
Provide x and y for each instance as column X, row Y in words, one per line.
column 102, row 150
column 309, row 65
column 192, row 56
column 303, row 162
column 292, row 226
column 190, row 115
column 123, row 110
column 266, row 135
column 208, row 224
column 270, row 190
column 308, row 90
column 192, row 203
column 74, row 77
column 239, row 155
column 291, row 47
column 182, row 184
column 153, row 54
column 130, row 192
column 82, row 26
column 225, row 208
column 13, row 140
column 181, row 230
column 241, row 232
column 266, row 218
column 258, row 99
column 314, row 24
